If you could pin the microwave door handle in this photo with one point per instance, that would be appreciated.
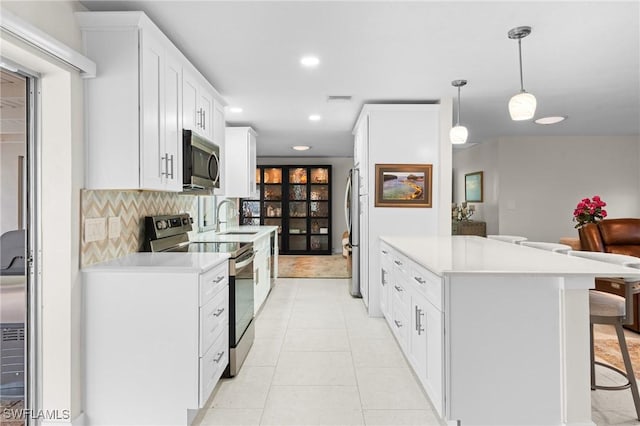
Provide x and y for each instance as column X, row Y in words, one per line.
column 212, row 158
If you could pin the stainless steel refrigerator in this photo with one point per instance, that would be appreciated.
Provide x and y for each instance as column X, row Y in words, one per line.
column 352, row 216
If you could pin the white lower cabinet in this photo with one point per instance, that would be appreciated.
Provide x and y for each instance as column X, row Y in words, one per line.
column 156, row 343
column 406, row 300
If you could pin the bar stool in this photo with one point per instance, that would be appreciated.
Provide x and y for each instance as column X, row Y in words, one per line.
column 554, row 247
column 606, row 308
column 514, row 239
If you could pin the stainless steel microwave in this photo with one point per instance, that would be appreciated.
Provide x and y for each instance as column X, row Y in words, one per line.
column 201, row 163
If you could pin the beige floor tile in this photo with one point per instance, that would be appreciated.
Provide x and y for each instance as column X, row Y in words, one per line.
column 264, row 352
column 315, row 368
column 303, row 317
column 401, row 418
column 319, row 340
column 313, row 405
column 271, row 328
column 376, row 353
column 248, row 389
column 390, row 388
column 368, row 328
column 232, row 417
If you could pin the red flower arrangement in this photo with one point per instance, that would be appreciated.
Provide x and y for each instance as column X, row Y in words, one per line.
column 589, row 211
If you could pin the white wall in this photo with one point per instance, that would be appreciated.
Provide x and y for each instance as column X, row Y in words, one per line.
column 61, row 141
column 482, row 157
column 9, row 184
column 537, row 181
column 339, row 172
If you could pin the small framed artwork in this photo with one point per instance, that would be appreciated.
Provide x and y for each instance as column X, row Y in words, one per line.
column 473, row 187
column 403, row 185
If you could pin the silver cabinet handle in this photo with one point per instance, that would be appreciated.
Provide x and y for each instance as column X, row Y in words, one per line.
column 420, row 280
column 204, row 120
column 398, row 323
column 219, row 357
column 384, row 277
column 218, row 312
column 171, row 160
column 397, row 262
column 165, row 158
column 419, row 314
column 398, row 288
column 385, row 252
column 218, row 279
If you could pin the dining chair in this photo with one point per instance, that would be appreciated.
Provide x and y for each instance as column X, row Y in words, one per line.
column 515, row 239
column 554, row 247
column 607, row 308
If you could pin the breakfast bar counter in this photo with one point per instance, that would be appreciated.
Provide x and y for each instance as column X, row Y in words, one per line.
column 497, row 333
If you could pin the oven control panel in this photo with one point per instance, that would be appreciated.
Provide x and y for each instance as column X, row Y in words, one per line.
column 157, row 227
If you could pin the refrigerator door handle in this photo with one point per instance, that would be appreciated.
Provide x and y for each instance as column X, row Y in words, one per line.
column 347, row 207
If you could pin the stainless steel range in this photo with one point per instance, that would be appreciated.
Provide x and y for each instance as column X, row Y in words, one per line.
column 168, row 233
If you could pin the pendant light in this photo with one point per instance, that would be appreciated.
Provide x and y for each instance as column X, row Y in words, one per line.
column 523, row 105
column 458, row 133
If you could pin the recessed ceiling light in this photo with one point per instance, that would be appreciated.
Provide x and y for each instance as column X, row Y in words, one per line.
column 309, row 61
column 550, row 120
column 235, row 109
column 301, row 147
column 315, row 117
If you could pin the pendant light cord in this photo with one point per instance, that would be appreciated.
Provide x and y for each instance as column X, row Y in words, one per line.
column 520, row 55
column 458, row 119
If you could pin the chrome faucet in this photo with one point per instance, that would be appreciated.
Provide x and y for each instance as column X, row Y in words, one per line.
column 223, row 202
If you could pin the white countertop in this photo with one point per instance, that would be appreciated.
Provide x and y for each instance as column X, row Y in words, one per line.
column 221, row 237
column 448, row 255
column 161, row 262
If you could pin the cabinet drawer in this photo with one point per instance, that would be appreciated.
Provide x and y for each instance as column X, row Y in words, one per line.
column 214, row 318
column 428, row 284
column 398, row 292
column 212, row 281
column 400, row 323
column 212, row 365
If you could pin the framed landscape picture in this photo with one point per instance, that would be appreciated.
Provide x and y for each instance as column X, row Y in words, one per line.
column 403, row 185
column 473, row 187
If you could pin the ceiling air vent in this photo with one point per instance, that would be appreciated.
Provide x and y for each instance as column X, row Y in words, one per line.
column 339, row 98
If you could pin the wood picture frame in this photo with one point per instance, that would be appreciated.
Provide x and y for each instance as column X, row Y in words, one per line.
column 473, row 187
column 403, row 185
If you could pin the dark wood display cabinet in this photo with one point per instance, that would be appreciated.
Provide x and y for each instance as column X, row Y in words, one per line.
column 297, row 199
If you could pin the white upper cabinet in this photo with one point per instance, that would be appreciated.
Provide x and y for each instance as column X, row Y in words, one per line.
column 240, row 153
column 198, row 104
column 145, row 93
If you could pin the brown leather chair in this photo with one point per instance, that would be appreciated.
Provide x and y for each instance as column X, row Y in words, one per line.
column 619, row 236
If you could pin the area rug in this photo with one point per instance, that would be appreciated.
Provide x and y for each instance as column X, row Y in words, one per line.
column 607, row 349
column 334, row 266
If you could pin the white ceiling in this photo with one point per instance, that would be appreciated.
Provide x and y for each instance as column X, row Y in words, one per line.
column 581, row 60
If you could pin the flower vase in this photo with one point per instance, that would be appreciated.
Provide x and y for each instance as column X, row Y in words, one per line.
column 583, row 231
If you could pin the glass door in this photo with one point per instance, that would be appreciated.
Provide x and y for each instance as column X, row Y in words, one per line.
column 319, row 209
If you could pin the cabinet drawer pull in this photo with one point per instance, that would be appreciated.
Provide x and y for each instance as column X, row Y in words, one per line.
column 397, row 262
column 398, row 288
column 385, row 252
column 218, row 312
column 419, row 314
column 219, row 357
column 218, row 279
column 398, row 323
column 171, row 161
column 420, row 280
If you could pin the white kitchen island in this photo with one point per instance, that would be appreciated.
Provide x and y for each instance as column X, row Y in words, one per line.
column 497, row 333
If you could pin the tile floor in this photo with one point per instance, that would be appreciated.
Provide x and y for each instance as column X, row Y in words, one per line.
column 318, row 359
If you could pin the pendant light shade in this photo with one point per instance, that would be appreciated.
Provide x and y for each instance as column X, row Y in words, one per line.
column 458, row 134
column 522, row 106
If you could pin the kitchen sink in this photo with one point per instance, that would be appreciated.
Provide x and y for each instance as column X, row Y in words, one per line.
column 238, row 233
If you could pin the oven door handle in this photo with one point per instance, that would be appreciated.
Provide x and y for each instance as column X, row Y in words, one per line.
column 244, row 263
